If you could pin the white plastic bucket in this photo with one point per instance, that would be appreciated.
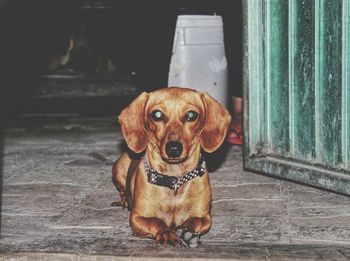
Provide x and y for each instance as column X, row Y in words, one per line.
column 198, row 60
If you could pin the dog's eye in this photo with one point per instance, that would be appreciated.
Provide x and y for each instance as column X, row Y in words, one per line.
column 191, row 116
column 157, row 115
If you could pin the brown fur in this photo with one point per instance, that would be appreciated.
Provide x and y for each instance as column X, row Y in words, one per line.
column 156, row 211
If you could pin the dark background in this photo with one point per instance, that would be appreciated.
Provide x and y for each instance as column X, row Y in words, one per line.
column 34, row 34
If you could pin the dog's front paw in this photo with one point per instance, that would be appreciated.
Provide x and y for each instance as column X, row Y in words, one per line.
column 167, row 238
column 187, row 238
column 122, row 203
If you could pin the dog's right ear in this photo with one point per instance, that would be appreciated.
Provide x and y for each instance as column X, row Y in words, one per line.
column 131, row 121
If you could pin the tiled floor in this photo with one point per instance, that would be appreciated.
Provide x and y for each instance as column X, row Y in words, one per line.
column 58, row 190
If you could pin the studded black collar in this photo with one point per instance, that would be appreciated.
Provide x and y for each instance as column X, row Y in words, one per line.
column 172, row 182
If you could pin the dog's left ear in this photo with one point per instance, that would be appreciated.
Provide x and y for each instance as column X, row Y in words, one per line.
column 216, row 124
column 131, row 121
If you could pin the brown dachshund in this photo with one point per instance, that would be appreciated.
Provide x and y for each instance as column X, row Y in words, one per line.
column 167, row 189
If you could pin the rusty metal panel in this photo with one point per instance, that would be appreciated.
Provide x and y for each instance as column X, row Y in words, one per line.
column 277, row 74
column 329, row 82
column 297, row 90
column 346, row 85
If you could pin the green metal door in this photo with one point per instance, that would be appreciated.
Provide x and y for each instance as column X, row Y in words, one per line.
column 297, row 90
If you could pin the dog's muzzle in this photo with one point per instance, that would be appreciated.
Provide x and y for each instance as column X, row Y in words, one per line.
column 173, row 149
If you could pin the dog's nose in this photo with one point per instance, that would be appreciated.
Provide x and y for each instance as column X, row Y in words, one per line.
column 173, row 149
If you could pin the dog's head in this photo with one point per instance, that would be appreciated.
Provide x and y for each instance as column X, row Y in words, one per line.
column 172, row 121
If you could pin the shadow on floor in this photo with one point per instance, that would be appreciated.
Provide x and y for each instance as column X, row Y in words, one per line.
column 216, row 159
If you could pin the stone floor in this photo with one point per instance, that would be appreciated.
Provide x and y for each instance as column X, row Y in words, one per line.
column 58, row 190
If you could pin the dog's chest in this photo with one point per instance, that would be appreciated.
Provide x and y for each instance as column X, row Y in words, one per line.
column 175, row 208
column 191, row 200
